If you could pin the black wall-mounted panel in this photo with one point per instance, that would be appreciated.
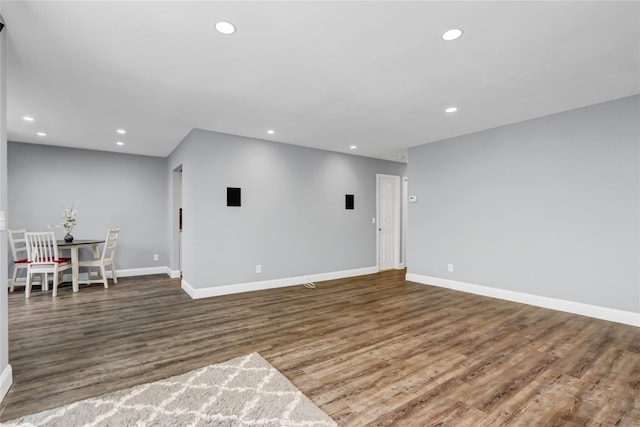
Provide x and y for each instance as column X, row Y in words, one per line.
column 233, row 196
column 348, row 201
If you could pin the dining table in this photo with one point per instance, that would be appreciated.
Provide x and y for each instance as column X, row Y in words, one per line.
column 74, row 247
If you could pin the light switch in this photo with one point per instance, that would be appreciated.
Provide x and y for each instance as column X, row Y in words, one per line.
column 413, row 199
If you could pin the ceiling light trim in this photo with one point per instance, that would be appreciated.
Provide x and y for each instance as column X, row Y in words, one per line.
column 225, row 27
column 452, row 34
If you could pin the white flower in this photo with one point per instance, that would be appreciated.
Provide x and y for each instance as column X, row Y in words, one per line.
column 69, row 219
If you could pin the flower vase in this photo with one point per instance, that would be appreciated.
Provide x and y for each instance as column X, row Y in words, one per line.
column 68, row 238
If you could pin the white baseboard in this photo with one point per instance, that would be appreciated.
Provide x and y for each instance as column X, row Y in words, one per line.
column 213, row 291
column 130, row 272
column 174, row 274
column 6, row 380
column 598, row 312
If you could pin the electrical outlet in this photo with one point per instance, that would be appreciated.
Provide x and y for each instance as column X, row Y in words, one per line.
column 156, row 257
column 258, row 268
column 450, row 268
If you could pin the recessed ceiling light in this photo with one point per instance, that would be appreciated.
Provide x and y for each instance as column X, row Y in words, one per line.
column 353, row 147
column 452, row 34
column 42, row 134
column 28, row 118
column 271, row 131
column 120, row 143
column 225, row 27
column 121, row 131
column 451, row 109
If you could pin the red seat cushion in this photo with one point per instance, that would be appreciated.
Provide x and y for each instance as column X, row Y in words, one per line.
column 60, row 260
column 21, row 261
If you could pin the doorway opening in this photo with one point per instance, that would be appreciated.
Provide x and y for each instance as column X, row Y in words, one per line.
column 177, row 221
column 389, row 222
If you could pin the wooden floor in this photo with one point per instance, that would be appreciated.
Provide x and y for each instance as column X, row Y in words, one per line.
column 372, row 350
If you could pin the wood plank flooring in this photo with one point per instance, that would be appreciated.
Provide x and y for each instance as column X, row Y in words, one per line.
column 371, row 350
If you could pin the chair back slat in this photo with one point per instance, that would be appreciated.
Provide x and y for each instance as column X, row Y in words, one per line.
column 110, row 242
column 42, row 247
column 18, row 244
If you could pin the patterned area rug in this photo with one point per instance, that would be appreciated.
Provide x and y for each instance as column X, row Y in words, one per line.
column 245, row 391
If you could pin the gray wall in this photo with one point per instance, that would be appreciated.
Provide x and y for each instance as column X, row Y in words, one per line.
column 547, row 207
column 292, row 220
column 107, row 189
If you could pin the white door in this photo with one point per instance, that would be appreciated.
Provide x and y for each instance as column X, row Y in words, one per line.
column 388, row 221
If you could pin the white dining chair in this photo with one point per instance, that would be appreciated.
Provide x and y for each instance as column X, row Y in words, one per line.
column 104, row 261
column 18, row 246
column 43, row 257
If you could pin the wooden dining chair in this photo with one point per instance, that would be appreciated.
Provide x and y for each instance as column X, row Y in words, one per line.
column 103, row 261
column 18, row 246
column 43, row 257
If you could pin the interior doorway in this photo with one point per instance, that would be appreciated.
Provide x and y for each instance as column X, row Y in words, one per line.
column 388, row 207
column 177, row 220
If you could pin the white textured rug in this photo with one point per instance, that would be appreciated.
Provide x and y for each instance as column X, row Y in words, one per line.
column 245, row 391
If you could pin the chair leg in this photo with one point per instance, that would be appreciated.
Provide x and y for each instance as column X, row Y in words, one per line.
column 45, row 283
column 13, row 280
column 55, row 283
column 113, row 273
column 27, row 286
column 104, row 276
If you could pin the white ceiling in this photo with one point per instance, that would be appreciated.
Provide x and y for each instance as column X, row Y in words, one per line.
column 322, row 74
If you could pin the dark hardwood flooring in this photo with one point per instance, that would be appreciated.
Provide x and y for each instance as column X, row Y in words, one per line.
column 371, row 350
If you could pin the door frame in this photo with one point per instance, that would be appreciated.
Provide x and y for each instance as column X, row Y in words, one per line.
column 397, row 264
column 176, row 223
column 405, row 219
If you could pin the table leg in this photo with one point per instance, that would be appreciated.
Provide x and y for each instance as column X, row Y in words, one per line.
column 75, row 269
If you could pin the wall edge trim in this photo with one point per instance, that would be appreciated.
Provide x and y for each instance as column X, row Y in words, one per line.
column 174, row 274
column 145, row 271
column 129, row 272
column 188, row 288
column 213, row 291
column 598, row 312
